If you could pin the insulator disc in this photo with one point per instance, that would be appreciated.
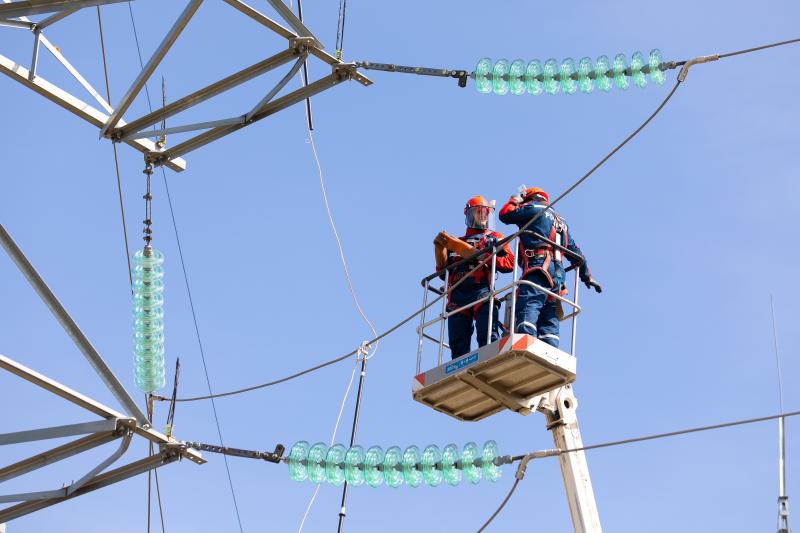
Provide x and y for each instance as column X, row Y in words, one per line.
column 516, row 77
column 334, row 464
column 585, row 83
column 316, row 462
column 354, row 466
column 639, row 78
column 392, row 468
column 620, row 79
column 431, row 456
column 491, row 471
column 472, row 471
column 568, row 85
column 532, row 81
column 297, row 467
column 372, row 473
column 656, row 74
column 549, row 71
column 500, row 77
column 482, row 82
column 601, row 68
column 450, row 456
column 411, row 472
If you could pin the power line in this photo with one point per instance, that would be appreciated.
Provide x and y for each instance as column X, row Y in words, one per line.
column 114, row 146
column 454, row 285
column 681, row 77
column 336, row 236
column 758, row 48
column 351, row 289
column 189, row 293
column 502, row 505
column 525, row 459
column 130, row 273
column 340, row 28
column 333, row 439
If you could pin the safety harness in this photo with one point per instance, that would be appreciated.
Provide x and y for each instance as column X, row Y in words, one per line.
column 547, row 253
column 480, row 276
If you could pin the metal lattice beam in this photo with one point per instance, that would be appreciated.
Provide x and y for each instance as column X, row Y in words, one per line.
column 38, row 7
column 302, row 44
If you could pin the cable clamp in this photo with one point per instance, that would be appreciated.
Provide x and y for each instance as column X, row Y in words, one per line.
column 363, row 350
column 696, row 61
column 523, row 465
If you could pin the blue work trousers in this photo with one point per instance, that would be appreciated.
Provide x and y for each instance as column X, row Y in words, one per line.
column 535, row 314
column 461, row 326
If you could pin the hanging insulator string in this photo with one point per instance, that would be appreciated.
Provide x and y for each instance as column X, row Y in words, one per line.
column 148, row 301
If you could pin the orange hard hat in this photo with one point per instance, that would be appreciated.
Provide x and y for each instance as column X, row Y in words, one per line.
column 478, row 211
column 476, row 201
column 536, row 191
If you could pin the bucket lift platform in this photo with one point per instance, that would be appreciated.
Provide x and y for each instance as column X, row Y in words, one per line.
column 510, row 373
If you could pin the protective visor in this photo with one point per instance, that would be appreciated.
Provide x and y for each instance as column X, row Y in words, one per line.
column 478, row 216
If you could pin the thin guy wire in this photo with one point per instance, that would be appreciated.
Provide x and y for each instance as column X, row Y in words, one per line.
column 149, row 454
column 188, row 291
column 158, row 496
column 304, row 82
column 484, row 261
column 202, row 352
column 128, row 256
column 116, row 157
column 333, row 439
column 338, row 239
column 454, row 285
column 777, row 357
column 630, row 441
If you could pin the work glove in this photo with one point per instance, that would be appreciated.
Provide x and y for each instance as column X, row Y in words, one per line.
column 517, row 198
column 592, row 284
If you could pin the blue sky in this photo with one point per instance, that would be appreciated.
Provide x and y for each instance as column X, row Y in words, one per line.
column 690, row 228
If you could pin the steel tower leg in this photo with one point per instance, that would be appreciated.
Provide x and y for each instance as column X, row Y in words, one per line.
column 563, row 423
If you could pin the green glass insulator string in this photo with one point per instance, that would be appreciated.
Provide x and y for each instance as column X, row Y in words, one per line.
column 149, row 368
column 395, row 467
column 567, row 76
column 148, row 320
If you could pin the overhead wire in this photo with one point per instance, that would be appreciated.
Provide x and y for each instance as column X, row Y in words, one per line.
column 524, row 459
column 333, row 440
column 485, row 260
column 130, row 272
column 758, row 48
column 457, row 283
column 116, row 156
column 364, row 352
column 189, row 293
column 338, row 239
column 340, row 28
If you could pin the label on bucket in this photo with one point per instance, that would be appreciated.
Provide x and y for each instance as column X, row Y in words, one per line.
column 458, row 364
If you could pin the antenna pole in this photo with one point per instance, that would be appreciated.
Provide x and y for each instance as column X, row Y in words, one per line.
column 783, row 499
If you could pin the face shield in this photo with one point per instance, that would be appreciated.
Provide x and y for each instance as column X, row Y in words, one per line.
column 478, row 216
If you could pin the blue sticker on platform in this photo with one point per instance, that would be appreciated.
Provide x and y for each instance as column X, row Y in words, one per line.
column 460, row 363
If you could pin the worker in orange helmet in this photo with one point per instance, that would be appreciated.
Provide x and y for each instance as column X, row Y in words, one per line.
column 449, row 251
column 542, row 262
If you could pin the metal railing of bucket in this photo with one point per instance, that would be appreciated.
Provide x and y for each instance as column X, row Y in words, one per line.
column 506, row 293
